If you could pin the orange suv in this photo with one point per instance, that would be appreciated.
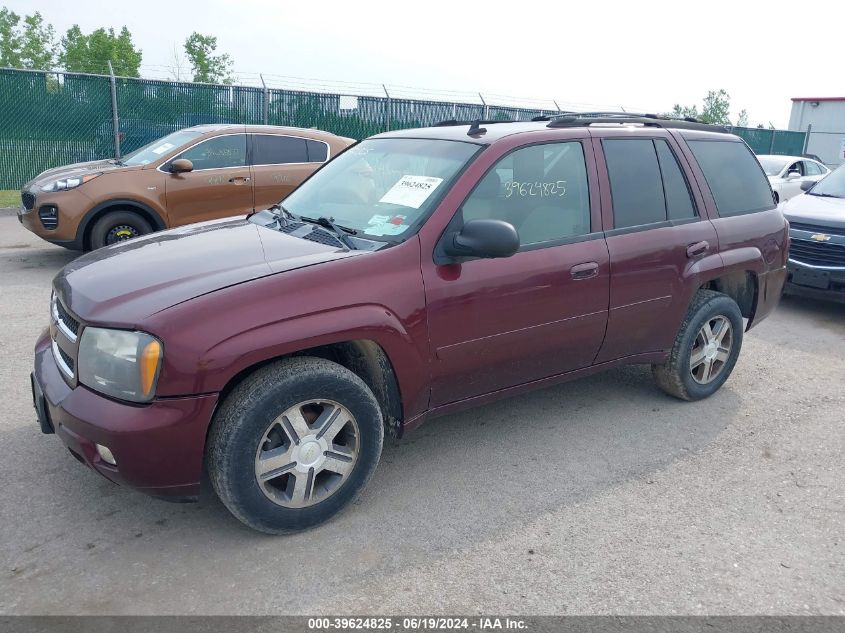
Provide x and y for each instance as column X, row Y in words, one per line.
column 198, row 173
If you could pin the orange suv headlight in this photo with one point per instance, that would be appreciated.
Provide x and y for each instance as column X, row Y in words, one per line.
column 69, row 183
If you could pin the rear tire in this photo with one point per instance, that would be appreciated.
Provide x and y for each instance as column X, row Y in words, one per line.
column 118, row 226
column 705, row 350
column 294, row 444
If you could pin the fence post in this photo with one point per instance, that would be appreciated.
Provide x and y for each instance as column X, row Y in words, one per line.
column 772, row 142
column 386, row 109
column 265, row 105
column 115, row 119
column 807, row 136
column 486, row 113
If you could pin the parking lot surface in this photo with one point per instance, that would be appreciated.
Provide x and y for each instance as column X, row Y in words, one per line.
column 598, row 496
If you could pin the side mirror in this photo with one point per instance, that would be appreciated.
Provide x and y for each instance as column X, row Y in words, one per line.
column 181, row 165
column 806, row 185
column 793, row 175
column 482, row 238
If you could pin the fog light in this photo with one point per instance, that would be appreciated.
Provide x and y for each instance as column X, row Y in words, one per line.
column 106, row 454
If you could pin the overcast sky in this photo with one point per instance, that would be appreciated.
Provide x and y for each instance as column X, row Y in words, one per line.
column 646, row 55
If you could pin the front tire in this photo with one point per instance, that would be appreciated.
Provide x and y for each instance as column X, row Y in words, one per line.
column 118, row 226
column 705, row 350
column 294, row 444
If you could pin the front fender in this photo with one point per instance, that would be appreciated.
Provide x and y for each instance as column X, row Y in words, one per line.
column 229, row 357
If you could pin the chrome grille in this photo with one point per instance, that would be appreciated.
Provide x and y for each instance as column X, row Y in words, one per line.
column 815, row 228
column 69, row 322
column 817, row 253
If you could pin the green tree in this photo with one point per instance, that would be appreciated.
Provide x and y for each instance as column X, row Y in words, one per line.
column 742, row 119
column 716, row 107
column 683, row 112
column 29, row 44
column 91, row 53
column 208, row 67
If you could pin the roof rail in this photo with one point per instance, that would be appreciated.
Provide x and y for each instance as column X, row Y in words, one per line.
column 581, row 119
column 453, row 122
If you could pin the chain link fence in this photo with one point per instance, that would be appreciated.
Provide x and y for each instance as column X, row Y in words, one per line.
column 55, row 118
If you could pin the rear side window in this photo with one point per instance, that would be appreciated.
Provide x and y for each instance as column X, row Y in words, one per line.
column 278, row 150
column 318, row 152
column 734, row 177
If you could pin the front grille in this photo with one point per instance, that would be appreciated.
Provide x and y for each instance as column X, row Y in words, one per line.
column 69, row 322
column 28, row 200
column 816, row 228
column 66, row 358
column 817, row 253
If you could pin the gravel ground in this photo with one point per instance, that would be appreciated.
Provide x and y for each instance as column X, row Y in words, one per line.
column 598, row 496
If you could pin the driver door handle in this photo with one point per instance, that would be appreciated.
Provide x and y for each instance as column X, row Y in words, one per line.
column 698, row 249
column 584, row 271
column 238, row 180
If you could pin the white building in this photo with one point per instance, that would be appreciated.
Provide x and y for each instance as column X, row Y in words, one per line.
column 824, row 119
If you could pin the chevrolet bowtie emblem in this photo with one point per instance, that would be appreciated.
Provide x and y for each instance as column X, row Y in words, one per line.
column 820, row 237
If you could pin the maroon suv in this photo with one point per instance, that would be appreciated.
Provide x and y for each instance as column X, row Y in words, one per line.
column 418, row 273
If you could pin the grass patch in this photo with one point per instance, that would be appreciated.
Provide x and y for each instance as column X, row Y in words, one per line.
column 10, row 198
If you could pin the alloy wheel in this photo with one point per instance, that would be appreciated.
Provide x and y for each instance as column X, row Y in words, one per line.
column 307, row 453
column 711, row 349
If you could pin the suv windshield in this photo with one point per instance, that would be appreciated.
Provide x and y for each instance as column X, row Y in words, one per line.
column 833, row 185
column 160, row 148
column 382, row 187
column 772, row 166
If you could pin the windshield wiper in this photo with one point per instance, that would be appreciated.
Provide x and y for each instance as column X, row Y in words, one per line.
column 341, row 232
column 823, row 195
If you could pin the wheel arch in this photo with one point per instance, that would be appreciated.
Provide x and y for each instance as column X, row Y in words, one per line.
column 83, row 233
column 365, row 358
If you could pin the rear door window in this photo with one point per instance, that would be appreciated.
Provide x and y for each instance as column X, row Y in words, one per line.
column 278, row 150
column 734, row 176
column 635, row 182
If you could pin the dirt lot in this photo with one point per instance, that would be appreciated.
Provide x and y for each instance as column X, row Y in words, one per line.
column 599, row 496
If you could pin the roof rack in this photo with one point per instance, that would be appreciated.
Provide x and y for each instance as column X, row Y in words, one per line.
column 579, row 119
column 453, row 122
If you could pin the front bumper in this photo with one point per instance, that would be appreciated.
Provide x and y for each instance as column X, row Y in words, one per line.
column 158, row 447
column 815, row 282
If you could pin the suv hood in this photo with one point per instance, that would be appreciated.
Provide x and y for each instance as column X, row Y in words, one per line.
column 816, row 210
column 122, row 284
column 78, row 169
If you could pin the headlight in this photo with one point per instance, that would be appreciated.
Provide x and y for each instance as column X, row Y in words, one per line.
column 68, row 183
column 119, row 363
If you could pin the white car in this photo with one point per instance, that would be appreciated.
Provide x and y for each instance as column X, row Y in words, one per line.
column 786, row 173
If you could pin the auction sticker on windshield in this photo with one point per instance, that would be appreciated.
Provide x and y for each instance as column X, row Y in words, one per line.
column 411, row 191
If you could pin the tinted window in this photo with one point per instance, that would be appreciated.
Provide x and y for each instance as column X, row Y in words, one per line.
column 734, row 176
column 278, row 150
column 541, row 190
column 678, row 201
column 635, row 182
column 318, row 152
column 218, row 152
